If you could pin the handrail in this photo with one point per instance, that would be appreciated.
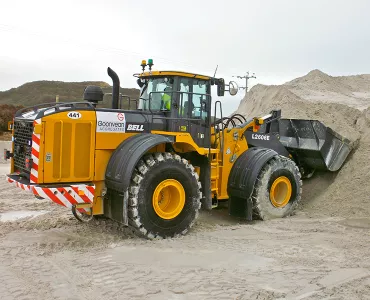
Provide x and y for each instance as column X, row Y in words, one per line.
column 129, row 101
column 223, row 136
column 53, row 105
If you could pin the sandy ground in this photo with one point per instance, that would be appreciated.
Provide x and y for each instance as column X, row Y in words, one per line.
column 4, row 145
column 52, row 256
column 320, row 253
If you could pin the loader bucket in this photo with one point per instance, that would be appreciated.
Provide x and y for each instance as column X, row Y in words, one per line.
column 313, row 144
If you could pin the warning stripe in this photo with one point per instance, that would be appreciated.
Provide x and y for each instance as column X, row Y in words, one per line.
column 35, row 160
column 25, row 187
column 35, row 146
column 35, row 154
column 34, row 191
column 69, row 197
column 84, row 198
column 62, row 195
column 33, row 178
column 66, row 196
column 49, row 194
column 36, row 139
column 78, row 199
column 91, row 189
column 88, row 190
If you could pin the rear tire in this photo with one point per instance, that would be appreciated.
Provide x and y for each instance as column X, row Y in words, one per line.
column 152, row 172
column 278, row 189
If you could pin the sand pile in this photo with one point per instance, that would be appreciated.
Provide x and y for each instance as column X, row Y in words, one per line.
column 317, row 86
column 344, row 193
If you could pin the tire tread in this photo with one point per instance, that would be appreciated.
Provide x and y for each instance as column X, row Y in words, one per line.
column 258, row 206
column 145, row 164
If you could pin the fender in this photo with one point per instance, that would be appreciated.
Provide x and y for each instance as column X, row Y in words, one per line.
column 120, row 168
column 242, row 178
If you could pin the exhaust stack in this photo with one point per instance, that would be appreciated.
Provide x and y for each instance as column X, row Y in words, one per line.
column 116, row 86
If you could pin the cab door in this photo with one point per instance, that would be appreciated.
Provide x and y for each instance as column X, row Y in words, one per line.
column 194, row 102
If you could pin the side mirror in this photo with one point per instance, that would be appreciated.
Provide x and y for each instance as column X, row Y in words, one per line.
column 140, row 83
column 220, row 87
column 233, row 88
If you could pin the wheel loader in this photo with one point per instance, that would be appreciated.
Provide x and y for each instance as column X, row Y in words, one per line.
column 171, row 152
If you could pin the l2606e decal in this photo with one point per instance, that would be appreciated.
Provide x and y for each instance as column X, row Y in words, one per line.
column 110, row 122
column 256, row 136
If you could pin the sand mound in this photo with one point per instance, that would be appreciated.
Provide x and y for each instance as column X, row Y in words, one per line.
column 346, row 192
column 262, row 99
column 352, row 91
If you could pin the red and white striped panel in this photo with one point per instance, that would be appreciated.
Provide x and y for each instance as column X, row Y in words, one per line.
column 20, row 185
column 68, row 195
column 35, row 154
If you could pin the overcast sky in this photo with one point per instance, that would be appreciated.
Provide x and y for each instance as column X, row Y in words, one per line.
column 74, row 40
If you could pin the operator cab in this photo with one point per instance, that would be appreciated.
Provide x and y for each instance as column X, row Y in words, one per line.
column 183, row 99
column 162, row 91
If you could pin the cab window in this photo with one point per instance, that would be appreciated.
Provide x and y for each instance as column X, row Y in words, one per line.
column 184, row 97
column 159, row 91
column 199, row 98
column 193, row 94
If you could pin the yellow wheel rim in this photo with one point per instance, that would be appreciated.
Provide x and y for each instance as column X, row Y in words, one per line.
column 169, row 199
column 281, row 191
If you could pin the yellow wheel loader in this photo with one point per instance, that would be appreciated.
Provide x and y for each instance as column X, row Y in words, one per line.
column 154, row 165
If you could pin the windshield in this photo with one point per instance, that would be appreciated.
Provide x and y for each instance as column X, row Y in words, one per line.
column 158, row 89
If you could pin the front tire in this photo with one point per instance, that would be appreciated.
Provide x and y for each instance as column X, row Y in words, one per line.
column 164, row 196
column 278, row 189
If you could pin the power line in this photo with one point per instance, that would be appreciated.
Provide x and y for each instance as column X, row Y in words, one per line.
column 246, row 77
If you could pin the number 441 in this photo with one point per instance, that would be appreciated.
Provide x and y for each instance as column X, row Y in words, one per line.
column 74, row 115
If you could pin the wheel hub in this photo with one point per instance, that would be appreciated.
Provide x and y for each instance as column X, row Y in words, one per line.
column 168, row 199
column 280, row 192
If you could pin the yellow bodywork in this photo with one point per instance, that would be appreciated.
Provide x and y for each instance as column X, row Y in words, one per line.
column 72, row 151
column 173, row 73
column 68, row 148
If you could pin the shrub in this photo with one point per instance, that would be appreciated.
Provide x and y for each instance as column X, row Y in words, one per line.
column 7, row 112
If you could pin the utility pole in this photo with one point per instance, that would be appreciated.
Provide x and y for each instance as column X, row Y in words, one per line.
column 246, row 77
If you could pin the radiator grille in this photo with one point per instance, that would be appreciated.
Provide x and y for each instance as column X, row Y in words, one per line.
column 22, row 145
